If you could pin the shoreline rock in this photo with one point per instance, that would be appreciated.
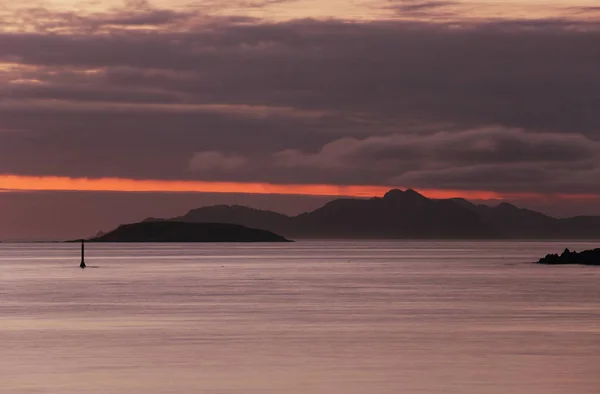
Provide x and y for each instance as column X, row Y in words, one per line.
column 587, row 257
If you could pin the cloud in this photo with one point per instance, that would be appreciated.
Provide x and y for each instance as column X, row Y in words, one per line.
column 539, row 75
column 587, row 10
column 493, row 158
column 307, row 101
column 419, row 7
column 517, row 177
column 133, row 15
column 261, row 3
column 213, row 160
column 487, row 145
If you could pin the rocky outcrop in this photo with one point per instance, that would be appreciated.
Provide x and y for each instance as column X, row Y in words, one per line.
column 587, row 257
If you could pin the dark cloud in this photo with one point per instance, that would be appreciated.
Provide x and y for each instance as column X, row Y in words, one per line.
column 304, row 100
column 588, row 11
column 532, row 75
column 513, row 177
column 151, row 17
column 44, row 20
column 483, row 159
column 260, row 3
column 88, row 92
column 215, row 160
column 421, row 7
column 146, row 144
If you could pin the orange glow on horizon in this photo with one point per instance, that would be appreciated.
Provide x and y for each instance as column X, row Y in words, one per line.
column 13, row 183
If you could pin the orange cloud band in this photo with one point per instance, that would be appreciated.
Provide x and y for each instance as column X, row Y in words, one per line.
column 55, row 183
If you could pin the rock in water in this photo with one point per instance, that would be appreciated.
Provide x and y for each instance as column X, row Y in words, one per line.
column 587, row 257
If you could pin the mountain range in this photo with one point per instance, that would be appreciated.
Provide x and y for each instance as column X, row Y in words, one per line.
column 403, row 215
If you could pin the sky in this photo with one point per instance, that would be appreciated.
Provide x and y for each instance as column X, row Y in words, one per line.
column 112, row 111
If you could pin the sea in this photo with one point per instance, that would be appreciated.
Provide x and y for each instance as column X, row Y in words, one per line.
column 315, row 317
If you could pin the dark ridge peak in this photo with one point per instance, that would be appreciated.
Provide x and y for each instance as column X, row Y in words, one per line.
column 150, row 219
column 414, row 193
column 393, row 193
column 462, row 201
column 465, row 204
column 210, row 206
column 340, row 202
column 225, row 206
column 213, row 207
column 507, row 205
column 397, row 193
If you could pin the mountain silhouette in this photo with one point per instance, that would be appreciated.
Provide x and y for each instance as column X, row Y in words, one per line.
column 404, row 215
column 237, row 214
column 515, row 222
column 510, row 221
column 397, row 215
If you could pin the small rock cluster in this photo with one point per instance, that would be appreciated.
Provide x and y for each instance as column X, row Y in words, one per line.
column 587, row 257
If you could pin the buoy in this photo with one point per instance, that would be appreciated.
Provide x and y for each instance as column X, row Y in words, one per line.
column 82, row 265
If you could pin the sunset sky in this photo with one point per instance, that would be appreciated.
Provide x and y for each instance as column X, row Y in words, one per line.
column 111, row 111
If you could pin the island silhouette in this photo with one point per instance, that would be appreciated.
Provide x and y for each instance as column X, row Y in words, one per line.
column 173, row 231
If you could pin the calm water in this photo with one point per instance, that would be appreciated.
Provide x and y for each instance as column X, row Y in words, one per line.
column 309, row 317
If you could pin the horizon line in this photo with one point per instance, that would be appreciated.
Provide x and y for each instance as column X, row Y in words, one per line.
column 20, row 183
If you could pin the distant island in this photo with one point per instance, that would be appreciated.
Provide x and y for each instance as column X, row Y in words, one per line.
column 587, row 257
column 402, row 215
column 173, row 231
